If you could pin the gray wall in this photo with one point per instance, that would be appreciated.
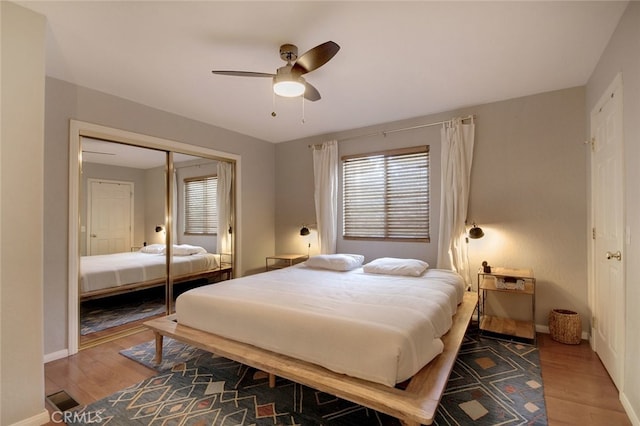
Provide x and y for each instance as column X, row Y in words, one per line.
column 65, row 101
column 527, row 193
column 623, row 55
column 21, row 216
column 155, row 194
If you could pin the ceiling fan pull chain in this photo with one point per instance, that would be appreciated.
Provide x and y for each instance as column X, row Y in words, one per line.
column 302, row 109
column 273, row 113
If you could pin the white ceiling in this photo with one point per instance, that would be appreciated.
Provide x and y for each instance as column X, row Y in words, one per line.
column 397, row 60
column 123, row 155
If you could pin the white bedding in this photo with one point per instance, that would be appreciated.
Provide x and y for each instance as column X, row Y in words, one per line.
column 379, row 328
column 114, row 270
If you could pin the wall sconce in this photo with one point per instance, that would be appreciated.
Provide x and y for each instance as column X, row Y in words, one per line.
column 304, row 231
column 475, row 232
column 159, row 228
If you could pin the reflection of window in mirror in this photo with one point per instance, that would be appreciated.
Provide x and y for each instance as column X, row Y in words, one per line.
column 195, row 203
column 200, row 206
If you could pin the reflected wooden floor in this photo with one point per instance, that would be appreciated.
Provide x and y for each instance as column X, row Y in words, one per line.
column 578, row 390
column 113, row 333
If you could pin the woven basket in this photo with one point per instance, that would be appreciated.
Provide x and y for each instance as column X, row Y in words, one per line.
column 565, row 326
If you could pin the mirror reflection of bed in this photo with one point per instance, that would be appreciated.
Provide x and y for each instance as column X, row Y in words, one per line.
column 123, row 252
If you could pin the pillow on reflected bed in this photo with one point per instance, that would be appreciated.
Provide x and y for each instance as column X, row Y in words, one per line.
column 178, row 250
column 335, row 262
column 153, row 249
column 396, row 266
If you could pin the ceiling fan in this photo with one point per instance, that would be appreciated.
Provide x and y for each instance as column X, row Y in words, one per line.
column 288, row 80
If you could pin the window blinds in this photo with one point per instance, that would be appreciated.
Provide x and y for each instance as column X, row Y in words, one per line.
column 200, row 209
column 386, row 195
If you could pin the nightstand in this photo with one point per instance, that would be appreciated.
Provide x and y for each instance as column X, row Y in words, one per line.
column 280, row 261
column 510, row 283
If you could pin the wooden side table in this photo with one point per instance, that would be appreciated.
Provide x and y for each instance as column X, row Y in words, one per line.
column 510, row 282
column 280, row 261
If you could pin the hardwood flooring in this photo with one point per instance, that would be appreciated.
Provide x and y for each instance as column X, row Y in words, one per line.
column 577, row 387
column 578, row 390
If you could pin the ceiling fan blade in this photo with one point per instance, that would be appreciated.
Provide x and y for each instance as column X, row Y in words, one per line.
column 311, row 93
column 316, row 57
column 243, row 73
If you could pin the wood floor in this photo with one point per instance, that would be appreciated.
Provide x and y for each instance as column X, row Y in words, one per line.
column 577, row 389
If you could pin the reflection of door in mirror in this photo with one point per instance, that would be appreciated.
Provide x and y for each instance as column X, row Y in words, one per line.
column 123, row 200
column 109, row 216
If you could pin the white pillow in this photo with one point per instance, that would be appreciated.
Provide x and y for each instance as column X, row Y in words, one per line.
column 153, row 249
column 336, row 262
column 178, row 250
column 395, row 266
column 187, row 250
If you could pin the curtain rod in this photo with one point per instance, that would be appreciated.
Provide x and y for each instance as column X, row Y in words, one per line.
column 386, row 132
column 207, row 163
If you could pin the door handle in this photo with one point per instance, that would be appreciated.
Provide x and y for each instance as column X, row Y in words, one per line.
column 617, row 255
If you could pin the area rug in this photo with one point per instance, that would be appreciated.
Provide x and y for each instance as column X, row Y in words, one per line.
column 113, row 311
column 492, row 383
column 102, row 314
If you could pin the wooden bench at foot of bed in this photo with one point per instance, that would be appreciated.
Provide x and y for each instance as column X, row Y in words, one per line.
column 413, row 406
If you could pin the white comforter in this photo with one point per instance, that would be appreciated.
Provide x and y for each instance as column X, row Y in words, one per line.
column 118, row 269
column 379, row 328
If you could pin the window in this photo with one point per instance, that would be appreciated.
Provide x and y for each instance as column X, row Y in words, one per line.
column 200, row 207
column 386, row 195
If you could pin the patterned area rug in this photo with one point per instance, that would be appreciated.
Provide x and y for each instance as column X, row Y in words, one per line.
column 108, row 312
column 101, row 314
column 492, row 383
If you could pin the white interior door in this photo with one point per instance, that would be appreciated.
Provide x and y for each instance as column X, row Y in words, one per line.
column 110, row 216
column 608, row 221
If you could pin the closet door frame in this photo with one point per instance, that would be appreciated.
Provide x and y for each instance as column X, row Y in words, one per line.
column 78, row 129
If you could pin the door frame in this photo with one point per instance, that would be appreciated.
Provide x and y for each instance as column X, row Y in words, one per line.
column 90, row 210
column 616, row 84
column 78, row 129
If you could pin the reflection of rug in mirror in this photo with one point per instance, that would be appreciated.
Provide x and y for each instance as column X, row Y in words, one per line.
column 492, row 383
column 113, row 311
column 107, row 312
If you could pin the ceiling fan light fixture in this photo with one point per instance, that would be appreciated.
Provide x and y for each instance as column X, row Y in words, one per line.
column 288, row 84
column 289, row 88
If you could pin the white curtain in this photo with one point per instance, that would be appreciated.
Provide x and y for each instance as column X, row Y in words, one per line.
column 325, row 174
column 225, row 176
column 457, row 154
column 174, row 208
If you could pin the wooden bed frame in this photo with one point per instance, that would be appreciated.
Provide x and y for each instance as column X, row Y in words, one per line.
column 218, row 273
column 413, row 406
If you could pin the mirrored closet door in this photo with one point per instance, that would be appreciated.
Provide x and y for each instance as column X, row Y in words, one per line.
column 123, row 269
column 153, row 224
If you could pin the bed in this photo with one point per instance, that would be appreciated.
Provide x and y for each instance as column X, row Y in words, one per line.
column 118, row 273
column 323, row 328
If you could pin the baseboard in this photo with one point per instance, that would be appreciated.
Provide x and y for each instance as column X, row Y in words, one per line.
column 633, row 416
column 41, row 418
column 545, row 329
column 56, row 355
column 542, row 329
